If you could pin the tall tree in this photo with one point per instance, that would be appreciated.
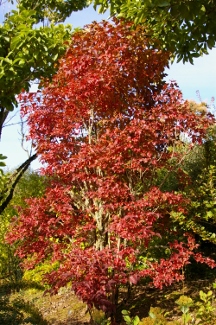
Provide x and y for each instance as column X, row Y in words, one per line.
column 104, row 127
column 201, row 165
column 186, row 28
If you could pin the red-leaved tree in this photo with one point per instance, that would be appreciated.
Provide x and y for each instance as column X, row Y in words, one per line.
column 105, row 127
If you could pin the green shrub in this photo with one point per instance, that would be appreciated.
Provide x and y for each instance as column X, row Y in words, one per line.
column 200, row 311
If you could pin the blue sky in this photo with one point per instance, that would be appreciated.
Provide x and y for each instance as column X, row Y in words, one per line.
column 191, row 78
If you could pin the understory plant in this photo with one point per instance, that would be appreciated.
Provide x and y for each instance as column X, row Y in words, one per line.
column 199, row 310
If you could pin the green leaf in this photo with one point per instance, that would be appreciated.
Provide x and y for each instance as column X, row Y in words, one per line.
column 203, row 8
column 209, row 293
column 136, row 320
column 211, row 42
column 202, row 295
column 21, row 62
column 184, row 309
column 55, row 57
column 15, row 42
column 127, row 318
column 164, row 4
column 152, row 315
column 124, row 312
column 209, row 214
column 2, row 157
column 165, row 19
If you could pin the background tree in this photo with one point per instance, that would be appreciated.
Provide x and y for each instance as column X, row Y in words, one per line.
column 185, row 28
column 29, row 52
column 55, row 11
column 105, row 126
column 199, row 166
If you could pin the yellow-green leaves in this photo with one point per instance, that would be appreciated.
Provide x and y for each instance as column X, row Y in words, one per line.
column 27, row 53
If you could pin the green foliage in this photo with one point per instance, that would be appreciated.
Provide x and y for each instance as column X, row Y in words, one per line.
column 98, row 317
column 31, row 185
column 37, row 274
column 205, row 310
column 2, row 163
column 200, row 312
column 156, row 316
column 193, row 311
column 201, row 167
column 204, row 205
column 27, row 53
column 186, row 28
column 30, row 51
column 130, row 320
column 185, row 303
column 54, row 10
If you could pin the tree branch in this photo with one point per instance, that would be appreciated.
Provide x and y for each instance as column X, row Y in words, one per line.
column 14, row 179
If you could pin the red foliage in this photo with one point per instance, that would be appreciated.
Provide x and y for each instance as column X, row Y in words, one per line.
column 104, row 127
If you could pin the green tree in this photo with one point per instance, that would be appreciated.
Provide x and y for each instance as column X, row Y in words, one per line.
column 53, row 10
column 201, row 166
column 186, row 28
column 27, row 53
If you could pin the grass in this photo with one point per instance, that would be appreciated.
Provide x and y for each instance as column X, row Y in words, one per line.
column 61, row 309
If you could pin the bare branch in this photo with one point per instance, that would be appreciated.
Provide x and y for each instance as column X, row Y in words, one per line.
column 23, row 137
